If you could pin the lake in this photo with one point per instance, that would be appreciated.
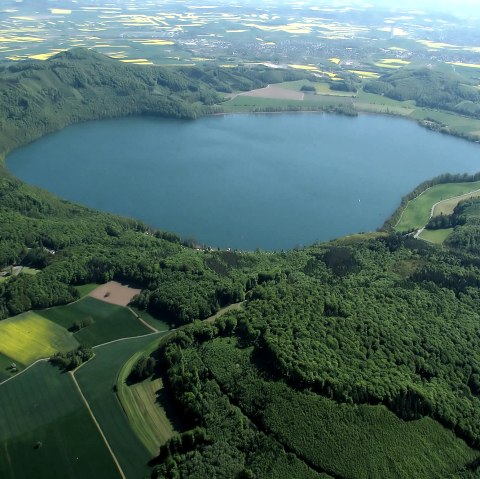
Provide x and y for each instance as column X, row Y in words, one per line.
column 245, row 181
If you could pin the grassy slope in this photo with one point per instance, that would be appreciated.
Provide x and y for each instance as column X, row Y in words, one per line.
column 141, row 403
column 29, row 336
column 110, row 321
column 417, row 212
column 96, row 379
column 436, row 236
column 43, row 405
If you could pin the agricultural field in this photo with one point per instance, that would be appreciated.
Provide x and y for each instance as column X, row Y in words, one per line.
column 436, row 236
column 108, row 322
column 114, row 292
column 417, row 211
column 97, row 379
column 186, row 33
column 30, row 336
column 155, row 323
column 249, row 103
column 6, row 371
column 142, row 402
column 86, row 289
column 321, row 88
column 446, row 207
column 459, row 123
column 46, row 431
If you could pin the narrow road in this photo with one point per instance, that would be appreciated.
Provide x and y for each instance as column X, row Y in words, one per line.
column 432, row 209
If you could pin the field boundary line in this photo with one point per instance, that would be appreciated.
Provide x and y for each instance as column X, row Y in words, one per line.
column 115, row 460
column 24, row 370
column 129, row 339
column 452, row 198
column 149, row 326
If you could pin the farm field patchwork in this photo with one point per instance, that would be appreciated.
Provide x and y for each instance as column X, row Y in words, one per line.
column 109, row 322
column 30, row 336
column 46, row 431
column 97, row 379
column 417, row 212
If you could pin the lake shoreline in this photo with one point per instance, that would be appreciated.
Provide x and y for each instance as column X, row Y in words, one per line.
column 275, row 150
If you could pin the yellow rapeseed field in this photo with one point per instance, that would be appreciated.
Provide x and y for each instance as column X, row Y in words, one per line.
column 28, row 337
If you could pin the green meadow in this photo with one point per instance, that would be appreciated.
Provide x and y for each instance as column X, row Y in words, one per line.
column 108, row 321
column 247, row 103
column 417, row 211
column 46, row 431
column 436, row 236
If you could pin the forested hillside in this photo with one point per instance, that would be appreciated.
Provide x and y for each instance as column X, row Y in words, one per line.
column 305, row 376
column 37, row 97
column 431, row 86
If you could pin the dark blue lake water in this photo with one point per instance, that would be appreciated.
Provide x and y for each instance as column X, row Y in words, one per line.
column 245, row 181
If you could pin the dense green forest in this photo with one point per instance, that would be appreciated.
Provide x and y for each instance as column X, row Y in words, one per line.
column 358, row 358
column 432, row 86
column 308, row 371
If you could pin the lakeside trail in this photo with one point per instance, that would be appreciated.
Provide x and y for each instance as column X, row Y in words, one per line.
column 432, row 209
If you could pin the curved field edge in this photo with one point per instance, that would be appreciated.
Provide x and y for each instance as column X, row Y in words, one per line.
column 46, row 431
column 106, row 322
column 145, row 403
column 140, row 402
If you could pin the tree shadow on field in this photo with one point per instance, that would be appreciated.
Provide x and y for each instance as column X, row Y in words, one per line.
column 173, row 413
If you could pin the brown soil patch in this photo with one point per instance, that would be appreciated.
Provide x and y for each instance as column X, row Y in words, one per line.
column 115, row 293
column 276, row 93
